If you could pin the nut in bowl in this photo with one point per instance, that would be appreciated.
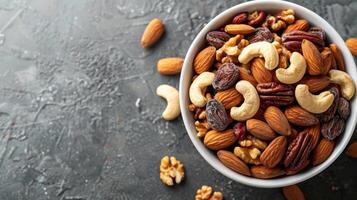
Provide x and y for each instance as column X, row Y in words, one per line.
column 283, row 82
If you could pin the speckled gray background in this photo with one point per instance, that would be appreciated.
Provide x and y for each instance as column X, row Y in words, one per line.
column 71, row 73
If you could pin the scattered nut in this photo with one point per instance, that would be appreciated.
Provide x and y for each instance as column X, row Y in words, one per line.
column 345, row 81
column 198, row 86
column 352, row 45
column 313, row 103
column 294, row 72
column 250, row 104
column 172, row 110
column 293, row 192
column 206, row 193
column 152, row 33
column 171, row 170
column 352, row 150
column 169, row 66
column 265, row 49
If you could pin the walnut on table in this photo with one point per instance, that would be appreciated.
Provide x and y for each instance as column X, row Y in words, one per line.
column 171, row 170
column 206, row 193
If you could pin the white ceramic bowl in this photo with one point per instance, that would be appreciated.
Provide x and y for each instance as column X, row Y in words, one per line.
column 186, row 75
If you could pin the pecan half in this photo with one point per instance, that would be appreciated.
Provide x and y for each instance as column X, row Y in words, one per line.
column 276, row 94
column 240, row 18
column 257, row 17
column 298, row 151
column 292, row 40
column 318, row 31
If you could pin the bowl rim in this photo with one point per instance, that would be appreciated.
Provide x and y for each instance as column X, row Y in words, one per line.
column 210, row 157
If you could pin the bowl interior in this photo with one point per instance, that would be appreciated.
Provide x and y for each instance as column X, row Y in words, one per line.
column 186, row 75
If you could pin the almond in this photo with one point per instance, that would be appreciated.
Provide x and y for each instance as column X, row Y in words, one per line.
column 260, row 129
column 313, row 57
column 233, row 162
column 277, row 120
column 338, row 57
column 204, row 59
column 260, row 73
column 293, row 192
column 352, row 45
column 352, row 150
column 298, row 116
column 322, row 151
column 152, row 33
column 216, row 140
column 169, row 66
column 316, row 83
column 244, row 74
column 229, row 98
column 266, row 173
column 298, row 25
column 236, row 29
column 274, row 152
column 315, row 132
column 328, row 58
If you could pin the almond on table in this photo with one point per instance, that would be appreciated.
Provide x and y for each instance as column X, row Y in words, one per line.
column 152, row 33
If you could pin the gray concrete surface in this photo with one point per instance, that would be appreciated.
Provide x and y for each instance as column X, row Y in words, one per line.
column 71, row 73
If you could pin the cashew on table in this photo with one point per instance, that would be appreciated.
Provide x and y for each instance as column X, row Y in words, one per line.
column 172, row 110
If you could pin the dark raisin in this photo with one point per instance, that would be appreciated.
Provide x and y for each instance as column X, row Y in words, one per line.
column 227, row 75
column 330, row 113
column 216, row 115
column 217, row 38
column 260, row 34
column 333, row 128
column 344, row 108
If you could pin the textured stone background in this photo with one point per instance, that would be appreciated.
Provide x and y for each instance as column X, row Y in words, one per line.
column 71, row 73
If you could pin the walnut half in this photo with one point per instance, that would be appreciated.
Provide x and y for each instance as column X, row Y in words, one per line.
column 206, row 193
column 171, row 169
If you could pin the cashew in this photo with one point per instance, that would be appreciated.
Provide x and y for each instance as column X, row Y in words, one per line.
column 251, row 102
column 172, row 110
column 198, row 86
column 345, row 81
column 265, row 49
column 313, row 103
column 294, row 72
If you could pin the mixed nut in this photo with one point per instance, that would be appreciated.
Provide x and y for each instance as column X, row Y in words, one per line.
column 270, row 95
